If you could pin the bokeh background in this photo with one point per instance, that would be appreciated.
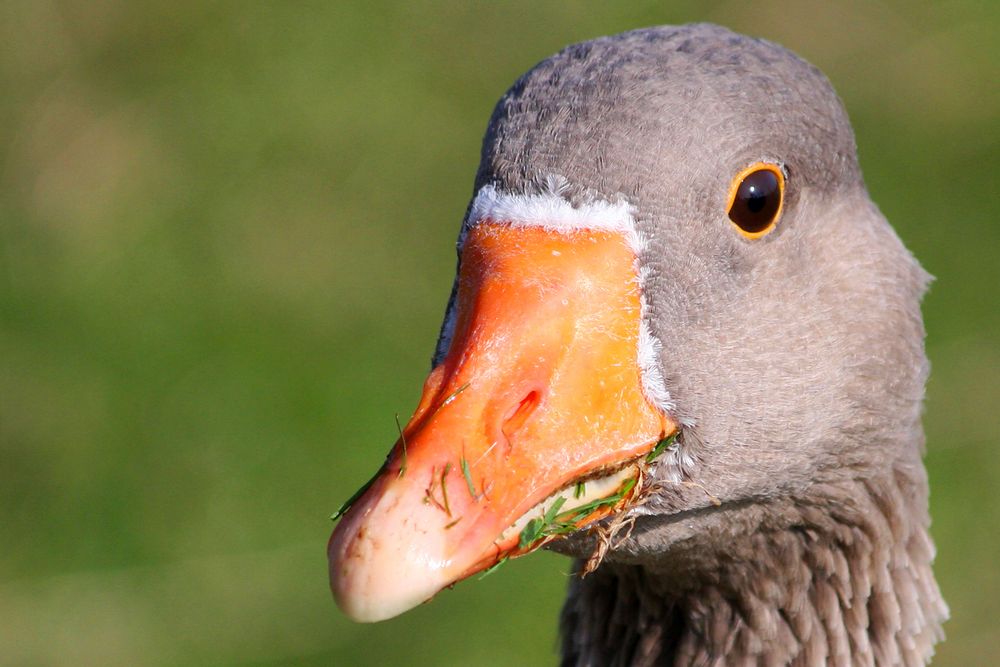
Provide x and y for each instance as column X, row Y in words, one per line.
column 226, row 242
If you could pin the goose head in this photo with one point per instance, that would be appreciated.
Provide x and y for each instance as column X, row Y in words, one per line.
column 682, row 341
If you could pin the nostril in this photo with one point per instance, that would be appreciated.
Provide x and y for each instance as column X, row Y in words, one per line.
column 519, row 413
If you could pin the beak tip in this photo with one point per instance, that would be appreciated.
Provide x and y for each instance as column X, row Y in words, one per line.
column 371, row 594
column 375, row 577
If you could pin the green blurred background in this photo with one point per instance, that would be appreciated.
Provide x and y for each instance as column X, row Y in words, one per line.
column 226, row 242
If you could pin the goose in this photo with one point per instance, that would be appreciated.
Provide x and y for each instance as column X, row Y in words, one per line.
column 684, row 348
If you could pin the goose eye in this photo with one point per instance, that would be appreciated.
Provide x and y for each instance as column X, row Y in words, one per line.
column 755, row 199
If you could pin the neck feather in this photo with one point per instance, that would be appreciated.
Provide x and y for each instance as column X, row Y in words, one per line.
column 846, row 581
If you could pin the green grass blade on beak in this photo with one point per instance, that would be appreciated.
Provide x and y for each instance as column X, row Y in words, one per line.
column 553, row 522
column 467, row 473
column 661, row 447
column 357, row 494
column 402, row 441
column 493, row 568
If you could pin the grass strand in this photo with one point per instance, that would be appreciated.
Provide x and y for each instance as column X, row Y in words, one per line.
column 402, row 440
column 444, row 487
column 661, row 446
column 357, row 494
column 553, row 522
column 467, row 473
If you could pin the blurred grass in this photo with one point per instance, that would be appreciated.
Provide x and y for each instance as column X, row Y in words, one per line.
column 226, row 241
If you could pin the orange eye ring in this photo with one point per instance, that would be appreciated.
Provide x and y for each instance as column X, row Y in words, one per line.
column 756, row 199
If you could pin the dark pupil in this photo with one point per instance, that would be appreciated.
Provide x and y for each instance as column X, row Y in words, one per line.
column 756, row 202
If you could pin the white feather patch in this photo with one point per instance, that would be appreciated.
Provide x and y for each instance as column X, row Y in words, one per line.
column 653, row 385
column 549, row 210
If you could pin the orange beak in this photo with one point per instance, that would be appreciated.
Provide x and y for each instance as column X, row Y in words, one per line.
column 534, row 424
